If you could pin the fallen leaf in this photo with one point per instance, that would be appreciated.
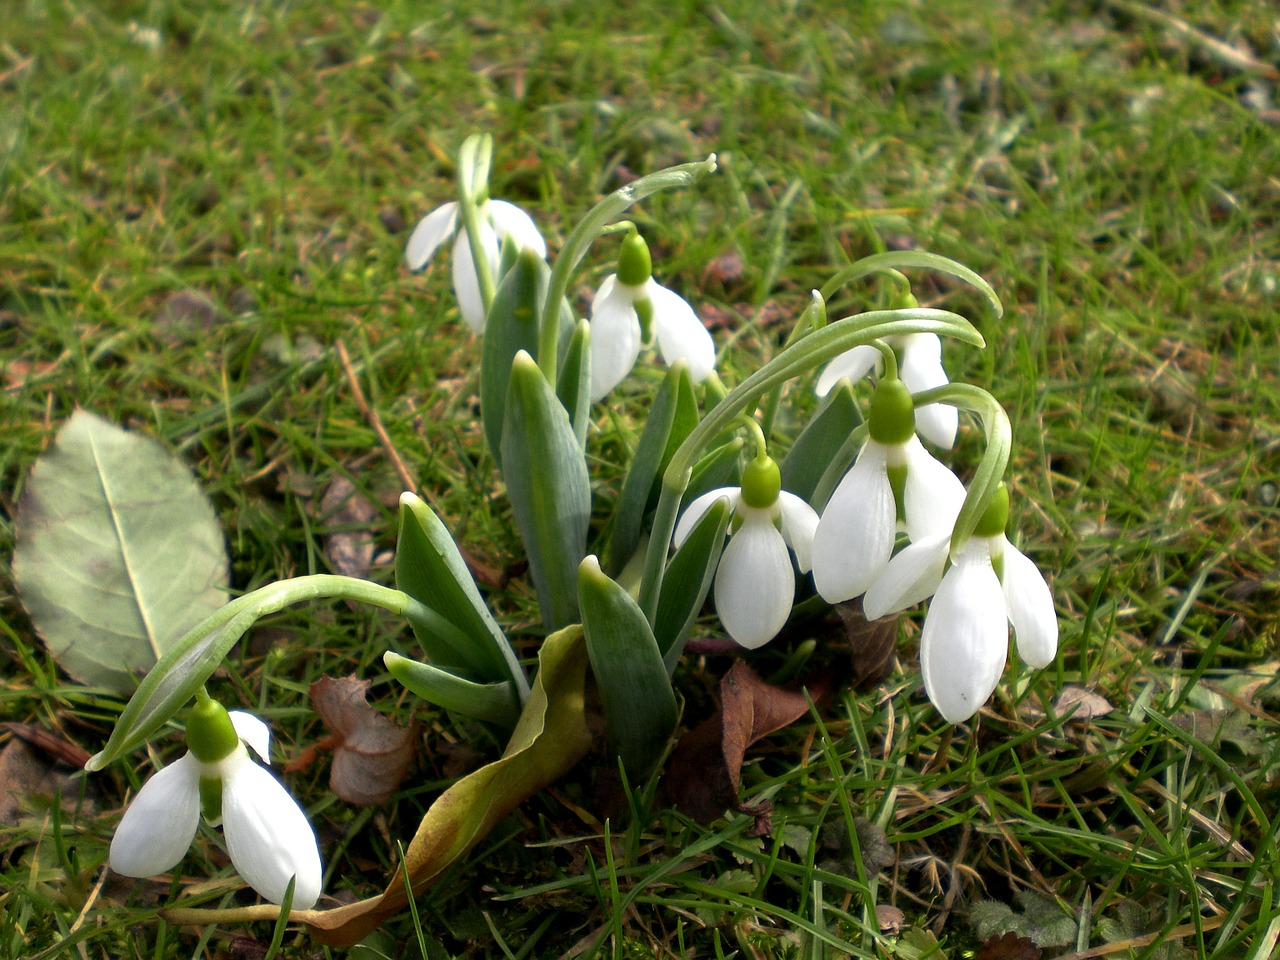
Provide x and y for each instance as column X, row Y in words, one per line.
column 69, row 753
column 350, row 515
column 705, row 770
column 872, row 645
column 1008, row 946
column 25, row 775
column 890, row 919
column 371, row 753
column 1082, row 704
column 725, row 269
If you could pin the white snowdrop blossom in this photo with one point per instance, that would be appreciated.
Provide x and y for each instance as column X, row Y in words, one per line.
column 991, row 586
column 859, row 525
column 755, row 585
column 498, row 220
column 631, row 306
column 919, row 366
column 268, row 836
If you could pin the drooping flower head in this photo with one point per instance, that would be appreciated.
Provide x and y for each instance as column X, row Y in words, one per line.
column 893, row 479
column 990, row 586
column 268, row 836
column 629, row 310
column 498, row 221
column 919, row 366
column 755, row 586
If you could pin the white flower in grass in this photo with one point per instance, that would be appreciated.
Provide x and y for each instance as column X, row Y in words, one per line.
column 628, row 309
column 991, row 586
column 498, row 220
column 755, row 585
column 893, row 478
column 919, row 366
column 268, row 836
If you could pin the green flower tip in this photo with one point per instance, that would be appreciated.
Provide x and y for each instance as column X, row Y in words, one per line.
column 210, row 735
column 634, row 264
column 761, row 482
column 892, row 417
column 996, row 517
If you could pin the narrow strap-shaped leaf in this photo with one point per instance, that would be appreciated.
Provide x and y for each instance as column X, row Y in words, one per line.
column 639, row 704
column 550, row 491
column 495, row 703
column 820, row 441
column 672, row 417
column 430, row 569
column 690, row 573
column 512, row 326
column 574, row 388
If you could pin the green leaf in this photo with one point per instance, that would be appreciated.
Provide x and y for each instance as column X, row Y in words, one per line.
column 550, row 491
column 639, row 704
column 511, row 326
column 430, row 569
column 119, row 553
column 719, row 468
column 495, row 703
column 672, row 417
column 820, row 441
column 688, row 579
column 574, row 386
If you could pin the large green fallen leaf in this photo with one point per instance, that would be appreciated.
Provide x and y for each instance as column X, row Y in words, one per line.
column 549, row 739
column 119, row 552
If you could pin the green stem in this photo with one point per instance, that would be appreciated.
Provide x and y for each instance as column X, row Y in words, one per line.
column 473, row 188
column 991, row 468
column 585, row 233
column 815, row 316
column 897, row 260
column 192, row 659
column 810, row 352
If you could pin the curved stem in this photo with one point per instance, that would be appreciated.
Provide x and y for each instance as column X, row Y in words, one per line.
column 810, row 352
column 584, row 234
column 995, row 459
column 897, row 260
column 193, row 658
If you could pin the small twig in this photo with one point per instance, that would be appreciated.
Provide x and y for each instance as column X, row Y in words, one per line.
column 1177, row 933
column 483, row 573
column 1217, row 49
column 374, row 421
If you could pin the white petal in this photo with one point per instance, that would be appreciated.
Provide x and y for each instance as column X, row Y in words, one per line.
column 268, row 836
column 681, row 335
column 921, row 370
column 615, row 337
column 851, row 365
column 510, row 221
column 933, row 495
column 699, row 506
column 965, row 638
column 253, row 732
column 799, row 523
column 466, row 285
column 856, row 531
column 754, row 584
column 911, row 576
column 157, row 829
column 1030, row 603
column 432, row 230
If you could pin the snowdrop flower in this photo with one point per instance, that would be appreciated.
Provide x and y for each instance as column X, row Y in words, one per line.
column 498, row 221
column 990, row 586
column 268, row 836
column 919, row 366
column 893, row 477
column 755, row 586
column 628, row 309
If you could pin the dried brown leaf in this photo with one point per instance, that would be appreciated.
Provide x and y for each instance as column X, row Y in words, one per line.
column 706, row 767
column 349, row 548
column 371, row 753
column 1008, row 946
column 872, row 645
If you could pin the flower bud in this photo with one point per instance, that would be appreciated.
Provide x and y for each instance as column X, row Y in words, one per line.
column 891, row 419
column 634, row 264
column 761, row 482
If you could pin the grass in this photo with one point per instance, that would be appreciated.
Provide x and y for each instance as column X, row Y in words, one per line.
column 198, row 202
